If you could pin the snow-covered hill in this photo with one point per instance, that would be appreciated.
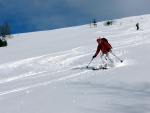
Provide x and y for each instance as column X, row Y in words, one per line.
column 45, row 72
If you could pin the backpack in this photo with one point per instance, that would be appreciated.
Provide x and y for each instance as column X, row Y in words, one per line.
column 105, row 40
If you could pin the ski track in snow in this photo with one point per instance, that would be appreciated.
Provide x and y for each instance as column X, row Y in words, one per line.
column 49, row 68
column 43, row 70
column 40, row 84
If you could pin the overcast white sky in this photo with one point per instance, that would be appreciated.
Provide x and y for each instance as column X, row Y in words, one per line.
column 37, row 15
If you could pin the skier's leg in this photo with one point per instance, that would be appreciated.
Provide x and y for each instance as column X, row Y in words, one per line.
column 103, row 60
column 109, row 58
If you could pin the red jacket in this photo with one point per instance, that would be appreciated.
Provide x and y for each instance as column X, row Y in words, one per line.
column 104, row 47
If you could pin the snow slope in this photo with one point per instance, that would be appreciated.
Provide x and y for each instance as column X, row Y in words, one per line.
column 45, row 72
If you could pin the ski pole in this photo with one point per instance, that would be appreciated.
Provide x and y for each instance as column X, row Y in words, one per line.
column 90, row 62
column 117, row 57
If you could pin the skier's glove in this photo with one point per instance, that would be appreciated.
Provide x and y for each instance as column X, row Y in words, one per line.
column 94, row 56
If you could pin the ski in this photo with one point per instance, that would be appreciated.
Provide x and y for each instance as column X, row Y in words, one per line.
column 99, row 68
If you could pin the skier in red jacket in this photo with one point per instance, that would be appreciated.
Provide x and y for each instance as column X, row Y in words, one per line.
column 105, row 48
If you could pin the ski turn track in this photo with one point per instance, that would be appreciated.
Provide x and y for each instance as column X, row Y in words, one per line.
column 41, row 84
column 39, row 71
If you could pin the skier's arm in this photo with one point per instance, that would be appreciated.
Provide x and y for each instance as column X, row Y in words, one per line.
column 98, row 50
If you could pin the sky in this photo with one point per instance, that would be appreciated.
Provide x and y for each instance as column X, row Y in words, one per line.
column 38, row 15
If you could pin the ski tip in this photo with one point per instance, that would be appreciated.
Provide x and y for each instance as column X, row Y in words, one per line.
column 103, row 68
column 95, row 69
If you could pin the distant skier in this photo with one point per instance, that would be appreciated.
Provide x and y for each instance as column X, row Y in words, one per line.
column 137, row 26
column 105, row 48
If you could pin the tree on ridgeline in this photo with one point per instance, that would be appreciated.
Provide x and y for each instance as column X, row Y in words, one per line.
column 94, row 23
column 110, row 22
column 5, row 33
